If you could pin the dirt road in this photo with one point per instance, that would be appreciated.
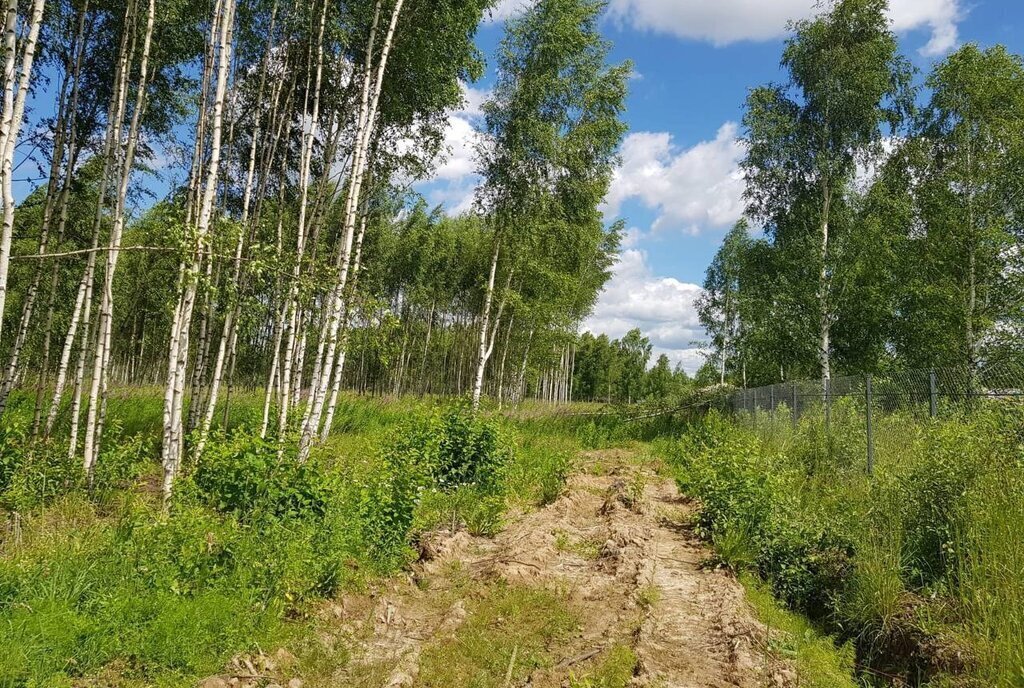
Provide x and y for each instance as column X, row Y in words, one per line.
column 617, row 549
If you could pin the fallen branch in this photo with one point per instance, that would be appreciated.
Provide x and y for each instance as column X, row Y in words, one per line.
column 566, row 663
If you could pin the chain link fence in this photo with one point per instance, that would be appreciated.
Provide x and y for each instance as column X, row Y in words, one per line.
column 873, row 417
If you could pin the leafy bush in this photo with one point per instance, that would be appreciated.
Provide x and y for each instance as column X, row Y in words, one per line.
column 908, row 563
column 244, row 475
column 934, row 498
column 470, row 451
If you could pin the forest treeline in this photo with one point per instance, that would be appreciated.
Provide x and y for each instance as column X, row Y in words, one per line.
column 293, row 257
column 891, row 211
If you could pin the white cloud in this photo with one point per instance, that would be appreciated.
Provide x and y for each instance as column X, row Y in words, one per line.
column 507, row 8
column 459, row 140
column 728, row 21
column 694, row 188
column 455, row 176
column 662, row 307
column 475, row 99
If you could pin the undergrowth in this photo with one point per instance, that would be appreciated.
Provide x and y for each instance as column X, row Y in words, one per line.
column 918, row 566
column 98, row 582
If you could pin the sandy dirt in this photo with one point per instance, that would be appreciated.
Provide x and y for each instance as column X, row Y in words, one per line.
column 617, row 544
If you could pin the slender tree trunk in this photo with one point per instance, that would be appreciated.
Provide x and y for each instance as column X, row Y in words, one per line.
column 52, row 187
column 487, row 333
column 339, row 368
column 365, row 132
column 172, row 449
column 15, row 92
column 426, row 350
column 522, row 368
column 101, row 364
column 293, row 318
column 82, row 311
column 824, row 296
column 504, row 356
column 229, row 337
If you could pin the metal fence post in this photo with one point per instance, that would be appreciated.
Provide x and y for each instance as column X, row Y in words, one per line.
column 933, row 396
column 794, row 414
column 827, row 385
column 870, row 429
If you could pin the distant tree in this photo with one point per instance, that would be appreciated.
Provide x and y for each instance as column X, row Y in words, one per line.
column 634, row 354
column 553, row 131
column 660, row 382
column 719, row 306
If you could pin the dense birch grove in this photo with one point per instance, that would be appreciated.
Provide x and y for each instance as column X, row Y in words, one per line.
column 291, row 257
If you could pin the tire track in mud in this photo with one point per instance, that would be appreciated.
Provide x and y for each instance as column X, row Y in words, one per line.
column 617, row 545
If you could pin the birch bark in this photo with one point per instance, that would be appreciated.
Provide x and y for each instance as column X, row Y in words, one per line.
column 172, row 449
column 15, row 92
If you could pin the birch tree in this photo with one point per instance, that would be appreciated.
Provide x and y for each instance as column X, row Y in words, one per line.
column 220, row 25
column 16, row 83
column 553, row 129
column 848, row 87
column 101, row 363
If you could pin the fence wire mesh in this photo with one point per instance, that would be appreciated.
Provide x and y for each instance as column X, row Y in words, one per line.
column 874, row 416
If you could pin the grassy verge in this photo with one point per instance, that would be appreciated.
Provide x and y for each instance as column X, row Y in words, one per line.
column 101, row 584
column 916, row 566
column 818, row 661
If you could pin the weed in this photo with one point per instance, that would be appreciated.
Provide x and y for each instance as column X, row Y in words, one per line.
column 510, row 631
column 647, row 597
column 819, row 662
column 587, row 548
column 633, row 496
column 615, row 670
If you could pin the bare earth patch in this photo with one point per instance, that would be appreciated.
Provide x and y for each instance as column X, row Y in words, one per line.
column 616, row 549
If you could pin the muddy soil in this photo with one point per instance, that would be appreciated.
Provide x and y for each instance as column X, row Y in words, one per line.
column 619, row 545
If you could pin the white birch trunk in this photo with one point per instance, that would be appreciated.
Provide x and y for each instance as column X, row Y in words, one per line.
column 101, row 363
column 172, row 449
column 485, row 350
column 364, row 134
column 229, row 337
column 15, row 92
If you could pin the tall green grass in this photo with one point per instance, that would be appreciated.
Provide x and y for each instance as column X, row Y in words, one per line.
column 99, row 583
column 920, row 565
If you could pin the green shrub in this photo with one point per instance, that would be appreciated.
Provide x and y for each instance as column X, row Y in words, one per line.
column 244, row 475
column 934, row 497
column 919, row 564
column 470, row 451
column 483, row 515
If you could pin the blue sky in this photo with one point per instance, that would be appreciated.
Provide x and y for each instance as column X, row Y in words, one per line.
column 679, row 189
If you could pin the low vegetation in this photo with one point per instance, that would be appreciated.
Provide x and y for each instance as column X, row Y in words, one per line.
column 100, row 581
column 918, row 566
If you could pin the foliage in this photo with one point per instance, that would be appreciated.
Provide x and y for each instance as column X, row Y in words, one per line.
column 245, row 475
column 101, row 582
column 893, row 563
column 615, row 670
column 819, row 662
column 618, row 371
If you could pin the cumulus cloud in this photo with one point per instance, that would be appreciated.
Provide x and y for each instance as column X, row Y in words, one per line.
column 662, row 307
column 459, row 140
column 453, row 182
column 728, row 21
column 692, row 188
